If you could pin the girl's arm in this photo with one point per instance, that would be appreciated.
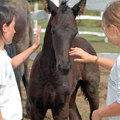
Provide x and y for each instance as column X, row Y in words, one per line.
column 0, row 111
column 20, row 58
column 0, row 115
column 108, row 111
column 86, row 57
column 106, row 63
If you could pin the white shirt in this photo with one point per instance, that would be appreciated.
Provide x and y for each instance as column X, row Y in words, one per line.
column 113, row 94
column 10, row 101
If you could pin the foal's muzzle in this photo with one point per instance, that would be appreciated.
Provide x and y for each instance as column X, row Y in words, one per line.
column 64, row 67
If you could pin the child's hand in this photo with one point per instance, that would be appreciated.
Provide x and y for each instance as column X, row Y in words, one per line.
column 37, row 38
column 84, row 56
column 95, row 115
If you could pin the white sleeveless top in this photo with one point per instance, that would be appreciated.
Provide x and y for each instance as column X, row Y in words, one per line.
column 10, row 101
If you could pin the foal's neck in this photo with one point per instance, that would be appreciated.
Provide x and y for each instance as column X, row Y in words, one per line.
column 48, row 50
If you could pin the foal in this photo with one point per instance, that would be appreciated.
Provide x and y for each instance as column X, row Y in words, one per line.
column 55, row 78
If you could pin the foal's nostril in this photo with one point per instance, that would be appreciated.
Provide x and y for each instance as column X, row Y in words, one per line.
column 64, row 69
column 59, row 67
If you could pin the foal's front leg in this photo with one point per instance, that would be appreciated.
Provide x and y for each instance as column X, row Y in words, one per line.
column 73, row 110
column 62, row 113
column 37, row 114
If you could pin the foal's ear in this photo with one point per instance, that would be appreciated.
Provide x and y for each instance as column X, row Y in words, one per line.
column 78, row 9
column 50, row 7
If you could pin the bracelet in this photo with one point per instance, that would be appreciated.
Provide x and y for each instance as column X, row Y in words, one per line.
column 96, row 60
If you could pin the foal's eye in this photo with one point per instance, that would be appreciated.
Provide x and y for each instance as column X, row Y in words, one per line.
column 67, row 29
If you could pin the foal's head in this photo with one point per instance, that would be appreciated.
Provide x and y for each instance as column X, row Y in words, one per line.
column 63, row 30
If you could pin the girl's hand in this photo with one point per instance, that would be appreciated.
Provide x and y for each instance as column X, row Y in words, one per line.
column 37, row 38
column 95, row 115
column 84, row 56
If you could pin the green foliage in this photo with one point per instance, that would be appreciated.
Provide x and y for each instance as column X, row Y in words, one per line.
column 91, row 12
column 40, row 5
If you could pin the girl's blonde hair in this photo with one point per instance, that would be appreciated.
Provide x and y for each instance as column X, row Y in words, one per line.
column 112, row 14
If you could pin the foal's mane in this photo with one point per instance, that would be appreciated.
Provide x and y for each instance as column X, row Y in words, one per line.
column 48, row 49
column 64, row 6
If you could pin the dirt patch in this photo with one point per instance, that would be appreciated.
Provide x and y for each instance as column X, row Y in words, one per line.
column 82, row 104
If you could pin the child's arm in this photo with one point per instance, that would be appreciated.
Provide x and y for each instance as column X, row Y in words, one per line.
column 108, row 111
column 0, row 115
column 20, row 58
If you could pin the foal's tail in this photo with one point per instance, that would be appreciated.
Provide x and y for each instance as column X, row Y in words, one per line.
column 73, row 97
column 80, row 84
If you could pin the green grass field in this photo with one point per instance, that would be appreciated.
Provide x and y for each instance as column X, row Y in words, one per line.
column 87, row 25
column 97, row 42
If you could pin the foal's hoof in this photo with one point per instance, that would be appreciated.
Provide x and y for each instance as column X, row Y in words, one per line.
column 27, row 109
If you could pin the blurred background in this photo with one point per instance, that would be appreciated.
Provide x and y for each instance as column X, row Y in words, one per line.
column 89, row 24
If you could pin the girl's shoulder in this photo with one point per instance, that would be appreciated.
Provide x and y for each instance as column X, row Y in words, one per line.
column 3, row 52
column 118, row 59
column 118, row 62
column 4, row 57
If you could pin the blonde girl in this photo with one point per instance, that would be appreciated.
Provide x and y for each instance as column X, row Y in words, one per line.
column 111, row 27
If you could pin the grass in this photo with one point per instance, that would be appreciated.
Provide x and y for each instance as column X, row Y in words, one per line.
column 43, row 23
column 102, row 47
column 97, row 42
column 87, row 25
